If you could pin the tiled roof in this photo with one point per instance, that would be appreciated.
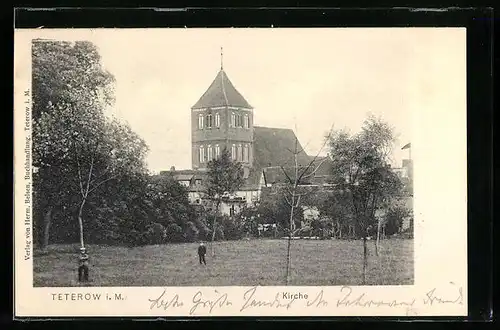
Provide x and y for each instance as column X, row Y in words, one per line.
column 222, row 93
column 184, row 177
column 276, row 174
column 276, row 146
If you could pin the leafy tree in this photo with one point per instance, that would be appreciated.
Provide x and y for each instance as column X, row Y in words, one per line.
column 274, row 208
column 361, row 169
column 336, row 206
column 224, row 177
column 62, row 73
column 92, row 149
column 68, row 72
column 77, row 150
column 394, row 219
column 169, row 206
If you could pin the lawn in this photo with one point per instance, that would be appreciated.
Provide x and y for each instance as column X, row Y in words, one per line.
column 245, row 263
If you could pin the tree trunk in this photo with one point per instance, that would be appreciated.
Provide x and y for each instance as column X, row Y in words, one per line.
column 214, row 229
column 213, row 236
column 365, row 259
column 288, row 266
column 46, row 229
column 378, row 238
column 288, row 257
column 80, row 222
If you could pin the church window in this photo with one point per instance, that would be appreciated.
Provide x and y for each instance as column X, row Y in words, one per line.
column 209, row 152
column 209, row 121
column 246, row 122
column 245, row 153
column 239, row 153
column 217, row 120
column 200, row 121
column 202, row 154
column 233, row 120
column 233, row 152
column 217, row 151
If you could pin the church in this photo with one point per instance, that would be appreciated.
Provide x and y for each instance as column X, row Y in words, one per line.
column 223, row 118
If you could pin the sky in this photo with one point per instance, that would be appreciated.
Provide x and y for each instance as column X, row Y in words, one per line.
column 308, row 80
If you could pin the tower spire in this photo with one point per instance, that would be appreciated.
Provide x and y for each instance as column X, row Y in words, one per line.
column 221, row 59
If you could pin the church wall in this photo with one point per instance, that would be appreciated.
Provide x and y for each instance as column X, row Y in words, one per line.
column 213, row 133
column 219, row 135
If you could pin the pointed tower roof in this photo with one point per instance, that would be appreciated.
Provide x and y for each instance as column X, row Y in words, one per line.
column 222, row 93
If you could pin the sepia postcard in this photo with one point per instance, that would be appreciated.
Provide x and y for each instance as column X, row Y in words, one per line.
column 240, row 172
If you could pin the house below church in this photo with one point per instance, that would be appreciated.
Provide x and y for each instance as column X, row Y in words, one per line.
column 223, row 118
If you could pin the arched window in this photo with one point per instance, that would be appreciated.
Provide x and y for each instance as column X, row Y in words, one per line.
column 209, row 152
column 217, row 151
column 202, row 154
column 209, row 121
column 233, row 119
column 217, row 120
column 245, row 153
column 233, row 152
column 246, row 122
column 200, row 121
column 240, row 151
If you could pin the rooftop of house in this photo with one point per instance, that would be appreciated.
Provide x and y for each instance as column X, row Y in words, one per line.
column 317, row 171
column 277, row 147
column 221, row 93
column 274, row 150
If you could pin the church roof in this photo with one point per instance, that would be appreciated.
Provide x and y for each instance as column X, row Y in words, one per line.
column 222, row 93
column 275, row 147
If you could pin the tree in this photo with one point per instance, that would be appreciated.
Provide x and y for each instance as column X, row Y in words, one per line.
column 169, row 206
column 224, row 177
column 361, row 169
column 336, row 205
column 89, row 147
column 63, row 73
column 77, row 150
column 293, row 194
column 68, row 72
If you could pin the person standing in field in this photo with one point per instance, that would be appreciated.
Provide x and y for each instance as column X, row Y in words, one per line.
column 202, row 251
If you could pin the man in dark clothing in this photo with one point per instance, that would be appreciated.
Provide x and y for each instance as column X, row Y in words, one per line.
column 202, row 250
column 83, row 269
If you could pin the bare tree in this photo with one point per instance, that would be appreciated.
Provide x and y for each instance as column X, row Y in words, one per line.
column 292, row 193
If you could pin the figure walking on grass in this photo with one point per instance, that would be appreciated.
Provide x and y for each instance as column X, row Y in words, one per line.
column 202, row 251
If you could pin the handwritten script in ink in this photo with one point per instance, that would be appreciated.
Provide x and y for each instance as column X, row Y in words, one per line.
column 205, row 302
column 251, row 300
column 209, row 302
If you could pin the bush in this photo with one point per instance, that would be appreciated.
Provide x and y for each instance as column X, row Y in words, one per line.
column 394, row 219
column 233, row 228
column 155, row 234
column 174, row 233
column 192, row 233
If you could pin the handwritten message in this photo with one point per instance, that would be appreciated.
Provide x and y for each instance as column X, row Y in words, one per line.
column 207, row 302
column 27, row 176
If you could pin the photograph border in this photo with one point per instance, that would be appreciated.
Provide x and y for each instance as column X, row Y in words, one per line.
column 478, row 42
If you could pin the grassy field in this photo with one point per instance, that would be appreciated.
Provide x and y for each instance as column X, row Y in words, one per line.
column 246, row 263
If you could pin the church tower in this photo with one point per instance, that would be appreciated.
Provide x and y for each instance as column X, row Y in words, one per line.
column 221, row 118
